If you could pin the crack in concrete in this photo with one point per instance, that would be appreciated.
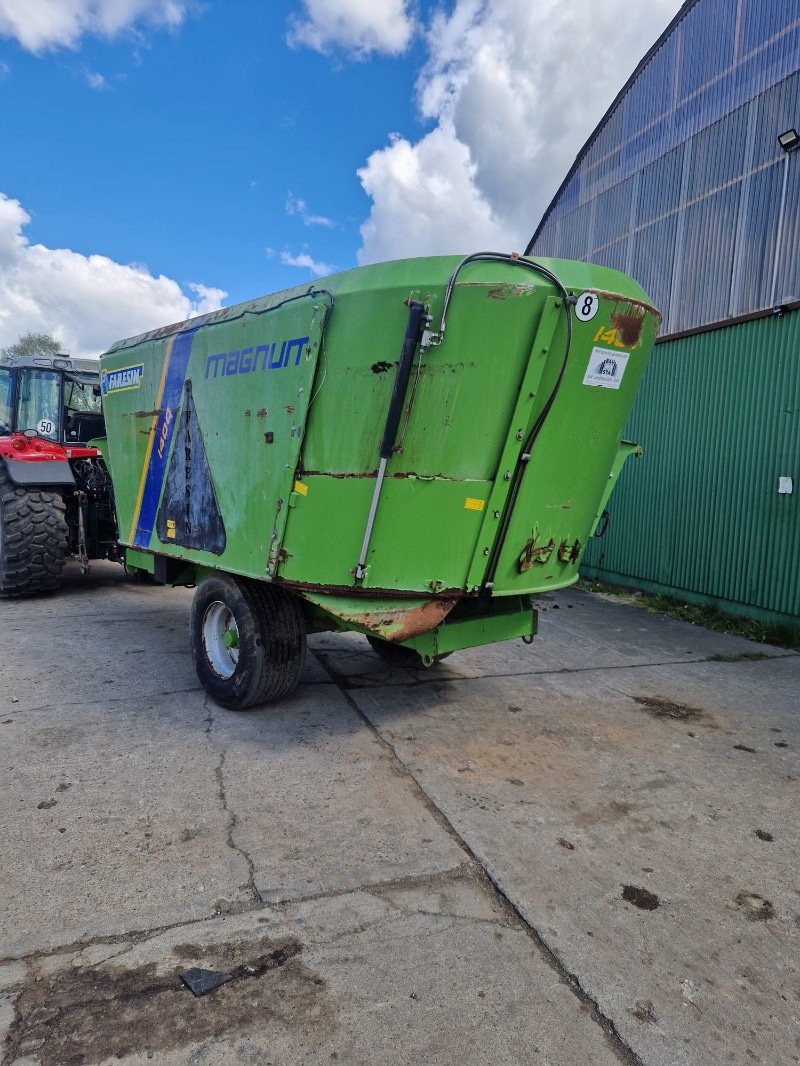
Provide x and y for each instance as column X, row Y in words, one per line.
column 232, row 817
column 374, row 681
column 616, row 1042
column 14, row 709
column 97, row 620
column 130, row 937
column 376, row 888
column 433, row 881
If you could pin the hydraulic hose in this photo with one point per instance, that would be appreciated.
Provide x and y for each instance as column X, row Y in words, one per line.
column 525, row 454
column 416, row 316
column 417, row 319
column 524, row 459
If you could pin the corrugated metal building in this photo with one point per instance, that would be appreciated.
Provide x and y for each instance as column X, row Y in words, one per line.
column 688, row 185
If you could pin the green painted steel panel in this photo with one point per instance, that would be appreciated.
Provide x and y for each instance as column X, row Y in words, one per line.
column 510, row 617
column 251, row 423
column 425, row 534
column 248, row 440
column 700, row 515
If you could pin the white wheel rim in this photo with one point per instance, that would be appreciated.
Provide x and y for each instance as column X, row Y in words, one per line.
column 221, row 639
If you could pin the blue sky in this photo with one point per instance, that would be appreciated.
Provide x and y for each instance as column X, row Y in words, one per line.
column 160, row 157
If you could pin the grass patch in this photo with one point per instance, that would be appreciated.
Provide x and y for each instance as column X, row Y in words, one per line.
column 780, row 634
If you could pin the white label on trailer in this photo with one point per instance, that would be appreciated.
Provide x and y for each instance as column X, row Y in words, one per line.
column 587, row 306
column 127, row 377
column 606, row 368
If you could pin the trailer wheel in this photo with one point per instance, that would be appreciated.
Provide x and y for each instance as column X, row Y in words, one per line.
column 398, row 656
column 248, row 641
column 33, row 539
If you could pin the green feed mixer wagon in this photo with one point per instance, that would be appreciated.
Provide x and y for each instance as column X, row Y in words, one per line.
column 411, row 450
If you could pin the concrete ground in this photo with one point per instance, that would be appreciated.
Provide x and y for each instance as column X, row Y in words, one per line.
column 582, row 851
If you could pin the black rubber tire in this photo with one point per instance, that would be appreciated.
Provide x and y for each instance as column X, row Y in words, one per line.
column 398, row 656
column 271, row 641
column 33, row 539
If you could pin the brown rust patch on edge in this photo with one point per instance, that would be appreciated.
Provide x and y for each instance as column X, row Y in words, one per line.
column 400, row 475
column 629, row 326
column 400, row 623
column 353, row 591
column 639, row 306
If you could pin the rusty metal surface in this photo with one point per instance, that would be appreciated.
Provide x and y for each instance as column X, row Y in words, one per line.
column 400, row 475
column 569, row 553
column 354, row 592
column 395, row 621
column 637, row 307
column 531, row 554
column 629, row 326
column 403, row 624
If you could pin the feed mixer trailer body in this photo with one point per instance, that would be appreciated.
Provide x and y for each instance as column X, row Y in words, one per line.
column 411, row 450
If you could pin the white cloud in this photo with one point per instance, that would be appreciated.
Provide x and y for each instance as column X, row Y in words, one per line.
column 5, row 70
column 305, row 262
column 514, row 88
column 87, row 302
column 425, row 201
column 358, row 26
column 41, row 25
column 208, row 298
column 95, row 80
column 294, row 206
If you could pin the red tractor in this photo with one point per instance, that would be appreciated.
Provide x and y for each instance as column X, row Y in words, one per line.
column 56, row 499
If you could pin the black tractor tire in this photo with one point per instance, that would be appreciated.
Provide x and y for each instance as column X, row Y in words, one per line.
column 248, row 641
column 33, row 539
column 396, row 655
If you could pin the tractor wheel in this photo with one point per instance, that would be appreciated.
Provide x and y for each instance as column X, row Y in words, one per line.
column 398, row 656
column 248, row 641
column 33, row 539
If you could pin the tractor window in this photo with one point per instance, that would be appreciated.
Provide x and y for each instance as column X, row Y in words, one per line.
column 39, row 402
column 83, row 412
column 5, row 401
column 78, row 396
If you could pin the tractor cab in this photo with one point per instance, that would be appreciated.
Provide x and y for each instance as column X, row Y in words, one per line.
column 56, row 398
column 56, row 497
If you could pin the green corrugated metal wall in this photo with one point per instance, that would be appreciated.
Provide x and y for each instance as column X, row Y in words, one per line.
column 700, row 516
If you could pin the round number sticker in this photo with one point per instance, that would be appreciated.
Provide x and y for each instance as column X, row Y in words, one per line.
column 587, row 306
column 45, row 427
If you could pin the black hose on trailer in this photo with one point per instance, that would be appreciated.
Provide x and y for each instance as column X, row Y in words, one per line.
column 416, row 320
column 525, row 454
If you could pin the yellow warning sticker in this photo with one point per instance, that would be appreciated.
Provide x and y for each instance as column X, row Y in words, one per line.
column 301, row 488
column 471, row 504
column 171, row 534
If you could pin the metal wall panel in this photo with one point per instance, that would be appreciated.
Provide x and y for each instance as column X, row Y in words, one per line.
column 719, row 417
column 694, row 136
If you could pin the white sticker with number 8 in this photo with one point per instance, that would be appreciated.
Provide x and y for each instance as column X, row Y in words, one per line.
column 587, row 306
